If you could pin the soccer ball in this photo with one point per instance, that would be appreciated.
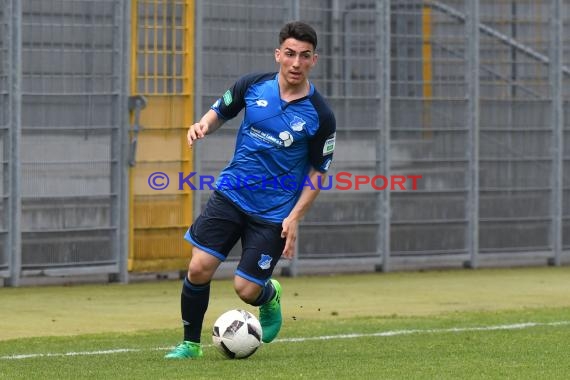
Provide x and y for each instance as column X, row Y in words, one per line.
column 237, row 334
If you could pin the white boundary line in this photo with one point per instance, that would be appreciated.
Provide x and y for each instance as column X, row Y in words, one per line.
column 516, row 326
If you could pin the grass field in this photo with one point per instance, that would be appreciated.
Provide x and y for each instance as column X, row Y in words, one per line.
column 499, row 323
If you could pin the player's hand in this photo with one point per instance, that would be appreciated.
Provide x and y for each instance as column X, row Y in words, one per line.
column 196, row 131
column 289, row 233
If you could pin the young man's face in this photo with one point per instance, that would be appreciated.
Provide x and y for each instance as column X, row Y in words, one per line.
column 296, row 58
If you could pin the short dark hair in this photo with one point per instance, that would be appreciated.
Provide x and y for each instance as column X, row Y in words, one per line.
column 300, row 31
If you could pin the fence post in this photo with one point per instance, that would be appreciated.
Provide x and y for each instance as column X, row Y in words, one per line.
column 383, row 135
column 557, row 125
column 15, row 133
column 472, row 77
column 122, row 144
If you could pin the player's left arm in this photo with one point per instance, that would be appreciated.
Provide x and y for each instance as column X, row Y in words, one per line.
column 321, row 148
column 291, row 222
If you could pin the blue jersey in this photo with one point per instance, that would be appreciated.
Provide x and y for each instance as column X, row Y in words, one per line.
column 276, row 145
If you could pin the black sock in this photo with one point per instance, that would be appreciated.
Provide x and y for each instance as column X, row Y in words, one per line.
column 194, row 303
column 267, row 293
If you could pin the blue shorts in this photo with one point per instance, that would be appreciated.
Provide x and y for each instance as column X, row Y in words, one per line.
column 219, row 227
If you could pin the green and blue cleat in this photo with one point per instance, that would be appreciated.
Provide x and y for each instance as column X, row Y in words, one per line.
column 270, row 315
column 185, row 350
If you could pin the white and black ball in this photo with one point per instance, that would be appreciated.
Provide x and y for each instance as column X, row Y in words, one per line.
column 237, row 334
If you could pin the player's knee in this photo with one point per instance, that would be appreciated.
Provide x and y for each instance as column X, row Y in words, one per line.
column 198, row 271
column 246, row 295
column 246, row 290
column 195, row 267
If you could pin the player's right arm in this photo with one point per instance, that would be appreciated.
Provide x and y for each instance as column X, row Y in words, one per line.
column 225, row 108
column 209, row 123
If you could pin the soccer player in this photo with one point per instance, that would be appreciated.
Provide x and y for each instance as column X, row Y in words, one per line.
column 284, row 145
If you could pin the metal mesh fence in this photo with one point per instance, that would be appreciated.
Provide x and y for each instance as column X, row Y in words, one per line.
column 161, row 60
column 516, row 130
column 565, row 180
column 471, row 112
column 429, row 133
column 470, row 95
column 72, row 73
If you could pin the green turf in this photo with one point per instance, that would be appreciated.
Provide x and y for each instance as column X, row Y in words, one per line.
column 420, row 308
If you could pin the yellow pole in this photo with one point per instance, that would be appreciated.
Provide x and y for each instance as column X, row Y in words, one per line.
column 427, row 70
column 188, row 94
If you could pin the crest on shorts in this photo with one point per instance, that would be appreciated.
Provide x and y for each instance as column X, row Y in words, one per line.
column 265, row 261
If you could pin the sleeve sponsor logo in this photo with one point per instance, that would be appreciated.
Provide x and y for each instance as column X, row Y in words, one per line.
column 228, row 98
column 328, row 147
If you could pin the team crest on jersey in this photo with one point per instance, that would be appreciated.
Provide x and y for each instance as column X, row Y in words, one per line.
column 265, row 261
column 262, row 103
column 297, row 124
